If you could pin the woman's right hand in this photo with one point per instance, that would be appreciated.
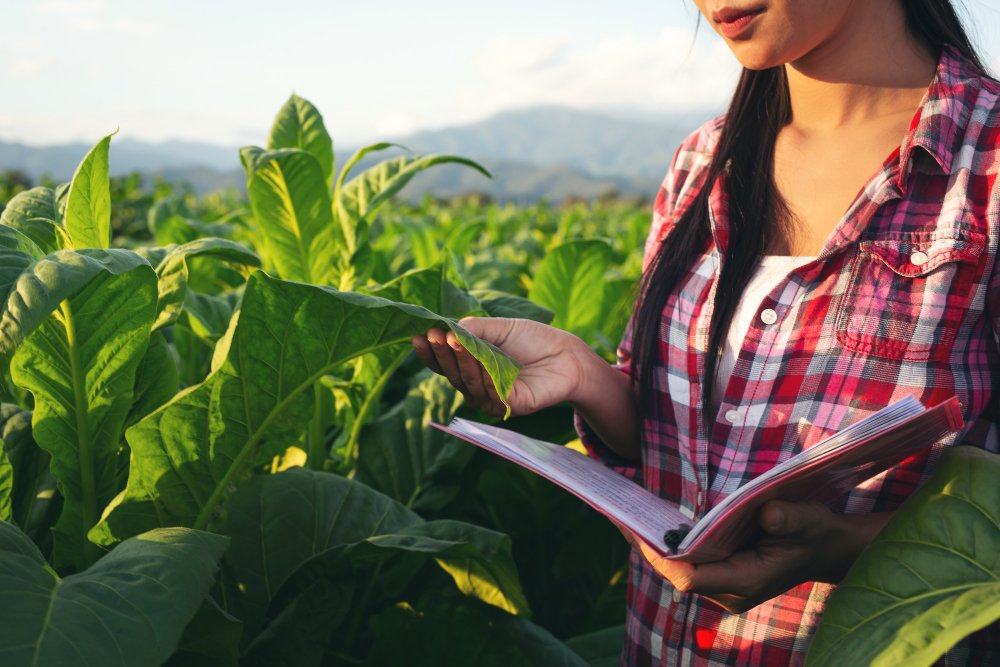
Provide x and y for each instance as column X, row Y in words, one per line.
column 553, row 363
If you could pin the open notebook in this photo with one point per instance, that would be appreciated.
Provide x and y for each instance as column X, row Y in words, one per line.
column 822, row 472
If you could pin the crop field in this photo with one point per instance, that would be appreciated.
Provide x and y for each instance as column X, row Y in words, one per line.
column 215, row 436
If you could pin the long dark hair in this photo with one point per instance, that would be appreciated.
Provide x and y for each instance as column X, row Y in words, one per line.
column 745, row 153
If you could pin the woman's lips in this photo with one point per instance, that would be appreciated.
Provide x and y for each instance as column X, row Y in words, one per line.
column 733, row 22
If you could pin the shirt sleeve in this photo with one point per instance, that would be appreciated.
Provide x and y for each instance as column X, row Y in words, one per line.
column 679, row 190
column 665, row 205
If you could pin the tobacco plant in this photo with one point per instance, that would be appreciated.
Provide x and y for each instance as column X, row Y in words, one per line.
column 154, row 503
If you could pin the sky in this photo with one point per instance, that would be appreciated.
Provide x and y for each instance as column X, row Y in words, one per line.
column 218, row 70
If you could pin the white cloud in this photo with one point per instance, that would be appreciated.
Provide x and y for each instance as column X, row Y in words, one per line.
column 665, row 73
column 396, row 125
column 69, row 7
column 27, row 66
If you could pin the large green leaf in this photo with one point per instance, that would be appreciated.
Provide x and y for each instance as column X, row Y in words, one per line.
column 602, row 648
column 930, row 578
column 211, row 639
column 570, row 283
column 17, row 253
column 299, row 124
column 128, row 609
column 449, row 630
column 35, row 504
column 156, row 379
column 303, row 540
column 34, row 213
column 173, row 272
column 39, row 290
column 403, row 457
column 502, row 304
column 79, row 365
column 278, row 522
column 292, row 205
column 88, row 208
column 189, row 455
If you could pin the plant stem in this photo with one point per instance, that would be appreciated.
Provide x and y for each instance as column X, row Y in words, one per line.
column 317, row 430
column 371, row 400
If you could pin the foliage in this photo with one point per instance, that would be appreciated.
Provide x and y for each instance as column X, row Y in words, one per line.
column 255, row 445
column 930, row 578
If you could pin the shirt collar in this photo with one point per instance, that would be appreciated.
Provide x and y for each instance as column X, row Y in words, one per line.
column 938, row 126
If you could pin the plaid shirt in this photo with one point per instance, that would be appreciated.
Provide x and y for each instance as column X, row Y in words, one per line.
column 904, row 298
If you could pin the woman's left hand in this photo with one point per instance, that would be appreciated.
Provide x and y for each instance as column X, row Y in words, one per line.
column 802, row 542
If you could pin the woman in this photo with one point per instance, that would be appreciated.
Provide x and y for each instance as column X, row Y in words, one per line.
column 769, row 318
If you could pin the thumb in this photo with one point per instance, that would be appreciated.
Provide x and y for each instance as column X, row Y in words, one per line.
column 778, row 517
column 491, row 329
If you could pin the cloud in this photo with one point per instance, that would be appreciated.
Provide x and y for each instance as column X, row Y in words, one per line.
column 667, row 73
column 27, row 67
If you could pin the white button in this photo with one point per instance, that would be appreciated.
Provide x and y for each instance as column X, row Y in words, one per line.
column 768, row 316
column 918, row 258
column 677, row 595
column 733, row 416
column 701, row 499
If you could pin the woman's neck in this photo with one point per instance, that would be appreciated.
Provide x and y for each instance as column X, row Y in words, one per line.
column 869, row 70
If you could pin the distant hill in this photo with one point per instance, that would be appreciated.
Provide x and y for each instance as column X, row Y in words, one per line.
column 532, row 153
column 592, row 143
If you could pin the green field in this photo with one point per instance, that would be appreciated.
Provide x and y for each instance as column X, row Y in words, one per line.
column 216, row 435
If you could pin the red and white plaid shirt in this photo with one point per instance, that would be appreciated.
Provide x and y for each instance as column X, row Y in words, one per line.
column 904, row 298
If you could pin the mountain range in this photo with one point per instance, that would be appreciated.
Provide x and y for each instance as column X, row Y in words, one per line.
column 542, row 152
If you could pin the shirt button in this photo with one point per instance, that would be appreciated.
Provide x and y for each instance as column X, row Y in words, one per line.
column 768, row 316
column 919, row 258
column 677, row 595
column 732, row 416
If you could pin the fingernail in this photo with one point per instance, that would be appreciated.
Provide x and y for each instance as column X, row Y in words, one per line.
column 777, row 519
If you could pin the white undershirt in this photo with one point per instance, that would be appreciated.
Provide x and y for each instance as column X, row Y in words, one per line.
column 772, row 270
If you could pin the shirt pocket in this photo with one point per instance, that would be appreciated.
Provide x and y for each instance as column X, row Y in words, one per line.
column 907, row 296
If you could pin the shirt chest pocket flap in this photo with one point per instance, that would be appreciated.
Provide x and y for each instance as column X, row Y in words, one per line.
column 907, row 297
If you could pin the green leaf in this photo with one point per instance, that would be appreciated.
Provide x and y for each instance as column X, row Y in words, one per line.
column 570, row 283
column 173, row 272
column 189, row 454
column 403, row 457
column 930, row 578
column 6, row 485
column 363, row 195
column 438, row 288
column 292, row 205
column 299, row 124
column 34, row 502
column 79, row 365
column 302, row 540
column 445, row 630
column 156, row 379
column 128, row 609
column 211, row 639
column 39, row 290
column 278, row 522
column 33, row 213
column 358, row 156
column 17, row 253
column 88, row 208
column 502, row 304
column 602, row 648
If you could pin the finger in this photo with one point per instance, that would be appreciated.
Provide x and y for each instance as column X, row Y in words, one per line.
column 491, row 329
column 781, row 518
column 445, row 357
column 472, row 374
column 422, row 348
column 677, row 572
